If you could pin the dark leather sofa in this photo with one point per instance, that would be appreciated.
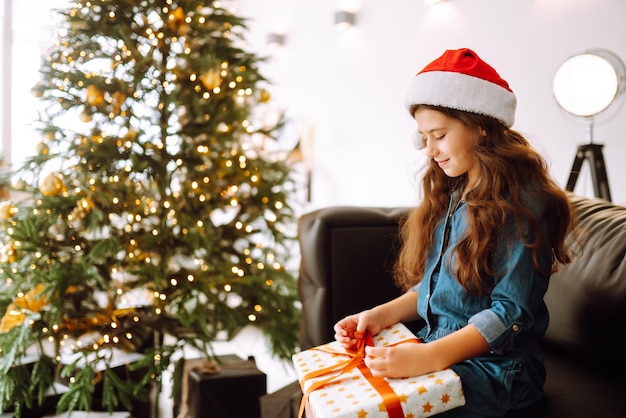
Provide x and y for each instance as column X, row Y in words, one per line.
column 347, row 253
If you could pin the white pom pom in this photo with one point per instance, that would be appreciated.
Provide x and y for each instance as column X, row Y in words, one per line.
column 418, row 140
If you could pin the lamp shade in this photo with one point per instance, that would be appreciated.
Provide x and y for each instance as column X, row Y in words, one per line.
column 588, row 83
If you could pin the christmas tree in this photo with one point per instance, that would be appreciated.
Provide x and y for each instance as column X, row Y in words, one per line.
column 152, row 216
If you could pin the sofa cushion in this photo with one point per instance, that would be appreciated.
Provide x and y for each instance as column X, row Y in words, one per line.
column 347, row 257
column 576, row 389
column 587, row 298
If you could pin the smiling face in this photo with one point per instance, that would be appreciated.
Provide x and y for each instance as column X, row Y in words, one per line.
column 449, row 142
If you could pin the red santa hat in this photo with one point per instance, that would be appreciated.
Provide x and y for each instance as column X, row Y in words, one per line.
column 460, row 80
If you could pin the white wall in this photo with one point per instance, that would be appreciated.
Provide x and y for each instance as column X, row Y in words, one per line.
column 348, row 86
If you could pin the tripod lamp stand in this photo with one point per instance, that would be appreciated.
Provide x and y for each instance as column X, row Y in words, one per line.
column 585, row 86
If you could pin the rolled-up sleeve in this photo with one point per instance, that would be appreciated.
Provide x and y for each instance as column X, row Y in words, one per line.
column 517, row 297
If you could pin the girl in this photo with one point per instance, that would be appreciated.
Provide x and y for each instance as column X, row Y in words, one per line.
column 479, row 249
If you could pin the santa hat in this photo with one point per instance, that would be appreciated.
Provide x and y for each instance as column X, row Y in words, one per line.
column 460, row 80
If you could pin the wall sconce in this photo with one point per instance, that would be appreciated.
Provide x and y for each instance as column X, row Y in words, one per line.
column 344, row 18
column 276, row 39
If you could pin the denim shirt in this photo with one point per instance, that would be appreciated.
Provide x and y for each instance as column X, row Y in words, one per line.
column 512, row 318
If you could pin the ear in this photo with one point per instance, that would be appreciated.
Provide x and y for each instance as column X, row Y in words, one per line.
column 482, row 135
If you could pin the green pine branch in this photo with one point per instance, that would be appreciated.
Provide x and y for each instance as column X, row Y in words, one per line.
column 150, row 208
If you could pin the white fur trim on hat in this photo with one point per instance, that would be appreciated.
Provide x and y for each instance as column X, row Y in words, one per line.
column 417, row 139
column 462, row 92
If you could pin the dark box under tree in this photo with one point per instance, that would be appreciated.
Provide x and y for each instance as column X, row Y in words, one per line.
column 232, row 392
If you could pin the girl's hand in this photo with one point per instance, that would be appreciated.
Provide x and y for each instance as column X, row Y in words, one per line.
column 345, row 331
column 417, row 359
column 404, row 360
column 352, row 328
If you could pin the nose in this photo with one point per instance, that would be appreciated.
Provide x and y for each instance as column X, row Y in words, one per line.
column 431, row 149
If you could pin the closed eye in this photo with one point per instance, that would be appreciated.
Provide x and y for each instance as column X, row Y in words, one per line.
column 424, row 138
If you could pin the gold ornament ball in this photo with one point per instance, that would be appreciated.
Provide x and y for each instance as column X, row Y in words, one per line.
column 85, row 203
column 7, row 210
column 20, row 185
column 49, row 135
column 211, row 79
column 42, row 148
column 37, row 91
column 117, row 100
column 95, row 96
column 51, row 185
column 131, row 135
column 177, row 17
column 265, row 96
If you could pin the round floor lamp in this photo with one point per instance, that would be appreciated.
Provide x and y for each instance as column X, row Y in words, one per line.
column 589, row 86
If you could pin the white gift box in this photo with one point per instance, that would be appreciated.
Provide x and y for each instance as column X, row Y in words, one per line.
column 337, row 384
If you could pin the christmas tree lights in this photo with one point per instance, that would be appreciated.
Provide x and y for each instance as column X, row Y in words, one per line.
column 149, row 208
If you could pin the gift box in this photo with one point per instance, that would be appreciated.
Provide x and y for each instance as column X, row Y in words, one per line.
column 337, row 384
column 230, row 389
column 283, row 403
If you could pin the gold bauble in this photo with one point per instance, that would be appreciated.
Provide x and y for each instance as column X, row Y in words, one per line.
column 176, row 21
column 184, row 29
column 177, row 17
column 37, row 91
column 117, row 100
column 264, row 96
column 42, row 148
column 7, row 210
column 85, row 204
column 95, row 96
column 131, row 135
column 211, row 79
column 51, row 185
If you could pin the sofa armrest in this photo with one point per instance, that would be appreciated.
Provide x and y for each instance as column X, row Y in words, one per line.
column 587, row 298
column 347, row 256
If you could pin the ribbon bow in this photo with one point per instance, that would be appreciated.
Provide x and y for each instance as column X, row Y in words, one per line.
column 356, row 358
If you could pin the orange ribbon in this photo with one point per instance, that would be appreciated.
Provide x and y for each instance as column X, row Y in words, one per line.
column 356, row 359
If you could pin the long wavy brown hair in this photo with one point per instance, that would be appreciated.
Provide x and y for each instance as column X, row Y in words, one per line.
column 507, row 166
